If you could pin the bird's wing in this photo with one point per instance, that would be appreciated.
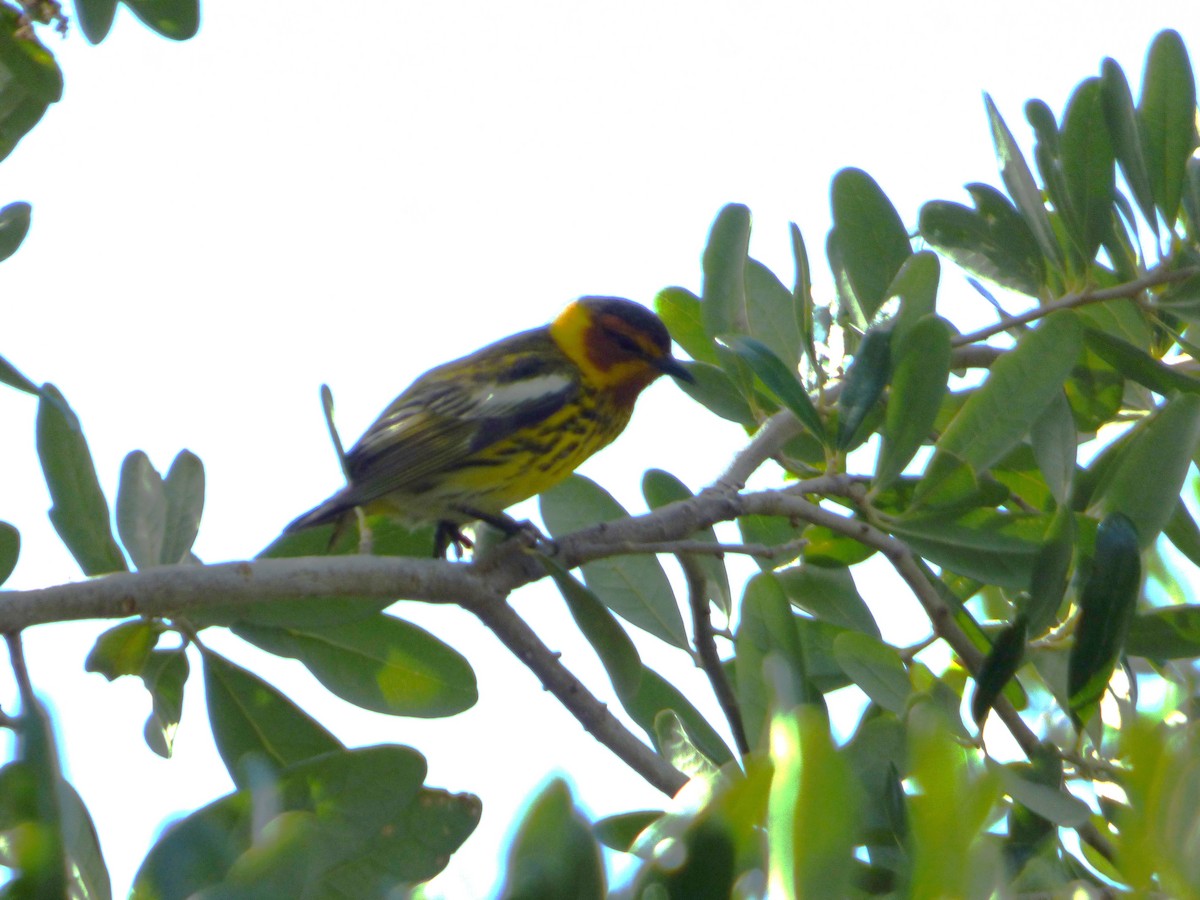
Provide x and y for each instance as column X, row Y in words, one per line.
column 453, row 413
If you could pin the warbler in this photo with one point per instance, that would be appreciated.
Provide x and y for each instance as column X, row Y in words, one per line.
column 472, row 437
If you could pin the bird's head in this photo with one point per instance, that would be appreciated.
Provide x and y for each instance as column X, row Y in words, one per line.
column 619, row 345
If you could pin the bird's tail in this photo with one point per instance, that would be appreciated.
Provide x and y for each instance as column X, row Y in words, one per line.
column 332, row 510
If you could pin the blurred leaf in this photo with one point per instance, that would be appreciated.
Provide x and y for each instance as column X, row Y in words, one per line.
column 141, row 510
column 1167, row 115
column 769, row 313
column 876, row 668
column 1051, row 568
column 1095, row 391
column 184, row 486
column 921, row 363
column 123, row 649
column 660, row 488
column 10, row 376
column 383, row 664
column 771, row 531
column 89, row 873
column 1021, row 187
column 1181, row 530
column 1139, row 365
column 656, row 694
column 916, row 284
column 816, row 647
column 871, row 237
column 619, row 832
column 802, row 299
column 250, row 718
column 673, row 743
column 1055, row 443
column 30, row 80
column 716, row 391
column 1106, row 606
column 165, row 674
column 813, row 810
column 992, row 240
column 95, row 18
column 829, row 594
column 680, row 311
column 829, row 548
column 350, row 823
column 10, row 549
column 779, row 379
column 634, row 587
column 1022, row 383
column 865, row 381
column 723, row 298
column 1148, row 473
column 999, row 668
column 1051, row 802
column 1127, row 138
column 174, row 19
column 553, row 853
column 1087, row 161
column 14, row 225
column 1172, row 632
column 989, row 546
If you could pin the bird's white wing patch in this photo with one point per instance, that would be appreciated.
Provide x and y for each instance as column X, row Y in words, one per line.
column 500, row 399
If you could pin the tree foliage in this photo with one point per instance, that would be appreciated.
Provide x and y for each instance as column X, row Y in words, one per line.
column 1025, row 503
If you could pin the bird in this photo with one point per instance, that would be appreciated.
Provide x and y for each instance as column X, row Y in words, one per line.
column 472, row 437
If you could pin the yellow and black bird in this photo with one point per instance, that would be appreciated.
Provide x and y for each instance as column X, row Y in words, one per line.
column 472, row 437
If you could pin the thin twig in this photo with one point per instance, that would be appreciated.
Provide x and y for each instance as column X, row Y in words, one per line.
column 706, row 650
column 707, row 548
column 16, row 655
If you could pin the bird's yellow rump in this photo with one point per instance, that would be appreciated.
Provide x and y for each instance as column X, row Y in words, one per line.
column 472, row 437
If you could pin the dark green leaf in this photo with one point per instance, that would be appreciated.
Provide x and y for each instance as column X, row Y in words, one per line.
column 1048, row 800
column 619, row 832
column 1138, row 365
column 95, row 18
column 716, row 391
column 802, row 298
column 14, row 225
column 723, row 299
column 184, row 486
column 1183, row 533
column 1055, row 442
column 876, row 668
column 989, row 546
column 355, row 823
column 992, row 240
column 1087, row 161
column 1018, row 179
column 1163, row 634
column 1167, row 115
column 1051, row 567
column 88, row 871
column 10, row 376
column 165, row 674
column 829, row 594
column 634, row 587
column 141, row 510
column 871, row 237
column 554, row 854
column 383, row 664
column 916, row 284
column 123, row 649
column 779, row 380
column 1001, row 664
column 1106, row 607
column 660, row 488
column 250, row 718
column 921, row 367
column 10, row 549
column 1095, row 391
column 80, row 512
column 1127, row 138
column 1148, row 474
column 174, row 19
column 29, row 80
column 680, row 311
column 865, row 381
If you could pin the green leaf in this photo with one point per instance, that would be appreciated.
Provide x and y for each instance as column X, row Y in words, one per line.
column 251, row 718
column 921, row 368
column 634, row 587
column 656, row 694
column 781, row 381
column 141, row 510
column 671, row 739
column 95, row 18
column 830, row 595
column 123, row 649
column 1087, row 164
column 1181, row 530
column 1018, row 180
column 1138, row 365
column 1022, row 383
column 1127, row 139
column 1051, row 567
column 165, row 674
column 621, row 831
column 1148, row 474
column 802, row 298
column 184, row 487
column 80, row 512
column 10, row 376
column 1167, row 115
column 769, row 314
column 1106, row 608
column 871, row 237
column 660, row 488
column 723, row 298
column 680, row 311
column 813, row 809
column 716, row 391
column 986, row 545
column 174, row 19
column 30, row 80
column 1055, row 443
column 1163, row 634
column 998, row 669
column 992, row 240
column 88, row 870
column 14, row 225
column 554, row 853
column 383, row 664
column 351, row 823
column 1050, row 802
column 865, row 381
column 771, row 531
column 876, row 668
column 1095, row 391
column 916, row 284
column 10, row 549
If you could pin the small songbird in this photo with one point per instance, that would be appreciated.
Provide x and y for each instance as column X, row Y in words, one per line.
column 472, row 437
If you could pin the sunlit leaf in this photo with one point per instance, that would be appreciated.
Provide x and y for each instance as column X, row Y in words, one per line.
column 871, row 237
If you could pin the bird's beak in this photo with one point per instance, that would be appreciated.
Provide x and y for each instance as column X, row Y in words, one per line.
column 669, row 365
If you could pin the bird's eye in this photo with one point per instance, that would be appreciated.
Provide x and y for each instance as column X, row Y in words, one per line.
column 626, row 343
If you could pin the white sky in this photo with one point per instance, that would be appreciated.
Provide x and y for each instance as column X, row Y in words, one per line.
column 298, row 197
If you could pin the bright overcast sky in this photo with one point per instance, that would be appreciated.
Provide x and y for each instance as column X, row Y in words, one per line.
column 352, row 193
